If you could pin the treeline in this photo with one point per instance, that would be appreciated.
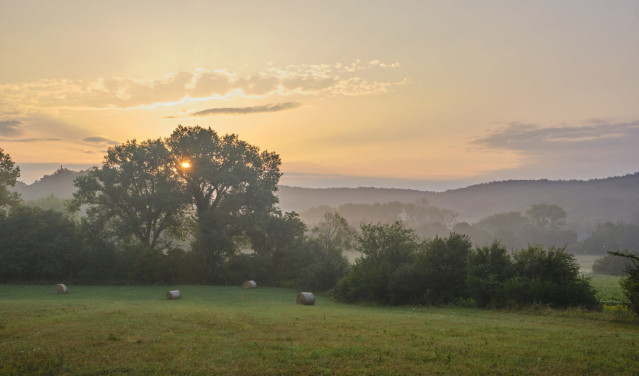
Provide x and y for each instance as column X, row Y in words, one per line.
column 195, row 207
column 199, row 208
column 542, row 224
column 399, row 268
column 38, row 245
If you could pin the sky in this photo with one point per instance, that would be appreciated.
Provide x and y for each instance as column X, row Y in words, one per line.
column 428, row 95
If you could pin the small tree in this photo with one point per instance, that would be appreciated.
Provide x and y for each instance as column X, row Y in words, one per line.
column 38, row 244
column 329, row 239
column 547, row 216
column 611, row 264
column 443, row 264
column 487, row 269
column 630, row 283
column 548, row 277
column 9, row 173
column 386, row 250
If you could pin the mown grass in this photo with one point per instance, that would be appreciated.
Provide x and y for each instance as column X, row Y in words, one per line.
column 99, row 330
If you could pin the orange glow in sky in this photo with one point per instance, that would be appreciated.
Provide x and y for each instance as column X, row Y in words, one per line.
column 408, row 95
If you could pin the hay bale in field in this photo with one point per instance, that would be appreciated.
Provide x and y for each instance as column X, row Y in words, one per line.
column 305, row 298
column 59, row 289
column 249, row 284
column 174, row 294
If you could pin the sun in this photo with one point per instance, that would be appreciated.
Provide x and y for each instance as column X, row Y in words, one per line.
column 186, row 164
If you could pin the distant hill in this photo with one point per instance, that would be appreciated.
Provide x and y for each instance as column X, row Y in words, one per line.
column 60, row 184
column 586, row 202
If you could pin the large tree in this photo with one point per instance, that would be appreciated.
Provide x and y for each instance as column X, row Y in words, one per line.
column 232, row 185
column 9, row 173
column 134, row 194
column 545, row 216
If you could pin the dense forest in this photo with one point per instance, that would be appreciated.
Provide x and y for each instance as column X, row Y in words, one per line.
column 596, row 215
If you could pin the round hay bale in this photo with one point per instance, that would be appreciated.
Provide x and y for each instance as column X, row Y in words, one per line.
column 305, row 298
column 249, row 284
column 174, row 294
column 59, row 289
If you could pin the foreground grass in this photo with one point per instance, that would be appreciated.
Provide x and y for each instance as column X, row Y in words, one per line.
column 228, row 330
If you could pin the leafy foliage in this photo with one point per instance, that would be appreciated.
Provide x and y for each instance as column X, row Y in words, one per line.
column 548, row 277
column 398, row 269
column 232, row 185
column 612, row 236
column 133, row 195
column 630, row 283
column 9, row 173
column 488, row 268
column 611, row 264
column 38, row 244
column 387, row 249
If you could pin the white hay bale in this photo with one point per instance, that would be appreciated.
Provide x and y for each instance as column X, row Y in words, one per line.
column 305, row 298
column 173, row 294
column 59, row 289
column 249, row 284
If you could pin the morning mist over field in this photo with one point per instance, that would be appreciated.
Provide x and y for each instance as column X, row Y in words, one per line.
column 412, row 94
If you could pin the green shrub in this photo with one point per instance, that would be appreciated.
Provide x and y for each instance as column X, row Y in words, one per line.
column 549, row 277
column 385, row 248
column 488, row 268
column 610, row 265
column 630, row 283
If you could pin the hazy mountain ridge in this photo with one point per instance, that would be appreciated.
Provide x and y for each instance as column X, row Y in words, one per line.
column 586, row 202
column 60, row 184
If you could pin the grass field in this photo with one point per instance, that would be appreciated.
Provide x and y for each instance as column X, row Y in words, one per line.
column 608, row 288
column 98, row 330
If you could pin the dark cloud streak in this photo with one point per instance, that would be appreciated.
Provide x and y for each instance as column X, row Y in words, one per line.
column 10, row 128
column 595, row 149
column 273, row 107
column 100, row 140
column 29, row 139
column 528, row 138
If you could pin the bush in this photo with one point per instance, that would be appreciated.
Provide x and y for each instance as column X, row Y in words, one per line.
column 397, row 269
column 385, row 248
column 37, row 244
column 610, row 265
column 630, row 283
column 488, row 268
column 548, row 277
column 443, row 268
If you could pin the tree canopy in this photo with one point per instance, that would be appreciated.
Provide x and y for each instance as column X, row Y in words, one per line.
column 134, row 193
column 231, row 184
column 9, row 173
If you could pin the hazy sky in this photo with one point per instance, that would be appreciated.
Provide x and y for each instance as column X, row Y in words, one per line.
column 418, row 94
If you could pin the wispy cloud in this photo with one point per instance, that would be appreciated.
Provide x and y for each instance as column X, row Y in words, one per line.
column 29, row 139
column 272, row 107
column 578, row 151
column 100, row 140
column 358, row 78
column 10, row 128
column 531, row 138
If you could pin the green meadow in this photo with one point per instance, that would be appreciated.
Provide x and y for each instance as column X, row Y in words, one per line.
column 135, row 330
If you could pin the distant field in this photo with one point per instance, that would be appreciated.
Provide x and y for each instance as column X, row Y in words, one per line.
column 608, row 288
column 586, row 262
column 228, row 330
